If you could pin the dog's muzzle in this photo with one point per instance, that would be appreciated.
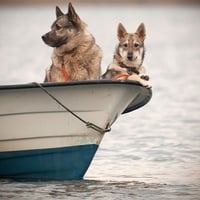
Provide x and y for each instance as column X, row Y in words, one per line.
column 52, row 40
column 45, row 38
column 130, row 56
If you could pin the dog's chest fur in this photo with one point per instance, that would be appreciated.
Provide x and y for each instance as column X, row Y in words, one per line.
column 81, row 64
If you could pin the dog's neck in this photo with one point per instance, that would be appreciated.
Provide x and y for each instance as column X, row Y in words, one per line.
column 58, row 60
column 129, row 68
column 62, row 52
column 75, row 45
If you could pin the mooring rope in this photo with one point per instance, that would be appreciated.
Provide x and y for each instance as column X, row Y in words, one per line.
column 88, row 124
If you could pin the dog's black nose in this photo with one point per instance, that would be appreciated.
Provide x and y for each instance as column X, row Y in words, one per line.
column 43, row 37
column 130, row 56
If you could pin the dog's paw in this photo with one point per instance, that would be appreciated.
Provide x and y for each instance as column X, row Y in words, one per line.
column 148, row 86
column 145, row 83
column 138, row 78
column 145, row 77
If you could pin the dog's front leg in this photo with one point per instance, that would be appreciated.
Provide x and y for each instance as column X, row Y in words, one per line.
column 135, row 77
column 142, row 73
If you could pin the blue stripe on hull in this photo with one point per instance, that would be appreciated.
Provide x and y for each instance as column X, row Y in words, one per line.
column 66, row 163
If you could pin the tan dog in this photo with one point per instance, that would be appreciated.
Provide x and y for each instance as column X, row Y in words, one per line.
column 128, row 57
column 76, row 56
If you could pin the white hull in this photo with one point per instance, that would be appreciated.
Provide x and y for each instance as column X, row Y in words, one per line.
column 30, row 119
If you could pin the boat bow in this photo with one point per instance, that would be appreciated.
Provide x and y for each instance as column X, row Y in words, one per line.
column 36, row 128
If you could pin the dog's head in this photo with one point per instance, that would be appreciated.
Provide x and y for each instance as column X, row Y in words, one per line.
column 131, row 45
column 64, row 27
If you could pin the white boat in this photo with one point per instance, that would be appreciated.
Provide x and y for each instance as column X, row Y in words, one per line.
column 51, row 131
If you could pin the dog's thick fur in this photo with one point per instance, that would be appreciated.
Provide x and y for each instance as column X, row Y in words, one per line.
column 129, row 56
column 74, row 48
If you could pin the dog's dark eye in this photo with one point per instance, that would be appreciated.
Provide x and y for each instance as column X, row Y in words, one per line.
column 136, row 45
column 125, row 45
column 58, row 27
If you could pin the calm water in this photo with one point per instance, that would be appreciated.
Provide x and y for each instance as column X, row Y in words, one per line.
column 152, row 153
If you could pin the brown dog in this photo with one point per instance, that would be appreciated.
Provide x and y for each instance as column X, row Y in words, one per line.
column 128, row 57
column 76, row 56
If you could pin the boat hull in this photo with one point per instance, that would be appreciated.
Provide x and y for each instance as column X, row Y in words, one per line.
column 41, row 140
column 66, row 163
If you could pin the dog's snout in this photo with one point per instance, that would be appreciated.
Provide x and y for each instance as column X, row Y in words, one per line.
column 44, row 37
column 130, row 56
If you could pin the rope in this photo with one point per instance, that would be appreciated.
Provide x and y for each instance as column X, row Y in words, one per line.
column 88, row 124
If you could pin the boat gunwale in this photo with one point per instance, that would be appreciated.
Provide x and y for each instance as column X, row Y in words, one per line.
column 70, row 83
column 130, row 107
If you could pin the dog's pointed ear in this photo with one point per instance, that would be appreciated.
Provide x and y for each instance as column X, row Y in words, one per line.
column 121, row 31
column 73, row 17
column 141, row 30
column 58, row 12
